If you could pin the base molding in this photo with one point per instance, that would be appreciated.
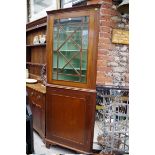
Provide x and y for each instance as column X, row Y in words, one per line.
column 50, row 142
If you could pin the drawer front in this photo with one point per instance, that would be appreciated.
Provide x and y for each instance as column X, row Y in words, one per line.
column 37, row 103
column 39, row 99
column 31, row 93
column 36, row 98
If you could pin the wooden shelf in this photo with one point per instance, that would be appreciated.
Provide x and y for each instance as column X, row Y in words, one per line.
column 36, row 27
column 36, row 64
column 36, row 45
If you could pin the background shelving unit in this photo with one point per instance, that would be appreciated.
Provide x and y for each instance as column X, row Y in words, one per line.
column 35, row 53
column 35, row 63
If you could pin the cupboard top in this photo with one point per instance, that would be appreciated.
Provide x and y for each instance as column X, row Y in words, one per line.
column 87, row 7
column 38, row 87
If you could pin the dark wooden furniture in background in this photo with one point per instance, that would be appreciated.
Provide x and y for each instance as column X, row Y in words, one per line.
column 35, row 53
column 35, row 59
column 72, row 39
column 36, row 95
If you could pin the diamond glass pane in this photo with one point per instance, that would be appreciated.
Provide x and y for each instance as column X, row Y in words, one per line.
column 70, row 46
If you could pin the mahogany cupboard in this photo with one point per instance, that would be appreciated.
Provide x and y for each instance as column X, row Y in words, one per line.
column 72, row 39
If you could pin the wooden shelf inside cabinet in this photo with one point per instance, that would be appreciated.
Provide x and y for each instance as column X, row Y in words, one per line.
column 36, row 64
column 36, row 45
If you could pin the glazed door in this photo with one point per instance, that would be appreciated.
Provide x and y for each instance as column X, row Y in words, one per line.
column 71, row 51
column 70, row 47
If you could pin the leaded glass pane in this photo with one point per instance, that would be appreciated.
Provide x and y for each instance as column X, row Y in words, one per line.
column 70, row 46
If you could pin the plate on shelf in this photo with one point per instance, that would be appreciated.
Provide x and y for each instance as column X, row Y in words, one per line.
column 31, row 81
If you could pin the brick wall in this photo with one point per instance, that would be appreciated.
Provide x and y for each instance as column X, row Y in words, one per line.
column 112, row 63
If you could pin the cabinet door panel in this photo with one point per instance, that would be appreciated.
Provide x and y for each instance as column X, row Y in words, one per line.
column 70, row 117
column 69, row 123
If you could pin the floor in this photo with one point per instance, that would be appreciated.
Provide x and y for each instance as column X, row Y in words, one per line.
column 40, row 148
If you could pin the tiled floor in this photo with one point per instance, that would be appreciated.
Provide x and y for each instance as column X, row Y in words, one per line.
column 40, row 148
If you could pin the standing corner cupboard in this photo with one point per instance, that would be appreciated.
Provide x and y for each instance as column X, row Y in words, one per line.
column 72, row 39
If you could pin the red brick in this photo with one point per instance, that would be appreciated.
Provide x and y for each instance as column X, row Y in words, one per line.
column 105, row 18
column 101, row 55
column 104, row 46
column 113, row 24
column 112, row 47
column 108, row 83
column 107, row 69
column 104, row 23
column 100, row 75
column 100, row 83
column 102, row 51
column 105, row 29
column 100, row 68
column 114, row 13
column 106, row 5
column 105, row 40
column 107, row 57
column 100, row 78
column 99, row 63
column 104, row 69
column 105, row 35
column 105, row 11
column 110, row 58
column 108, row 80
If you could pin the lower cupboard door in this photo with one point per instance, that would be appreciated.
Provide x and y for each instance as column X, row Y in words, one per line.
column 70, row 119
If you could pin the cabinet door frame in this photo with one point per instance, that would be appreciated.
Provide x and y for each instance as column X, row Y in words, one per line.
column 93, row 15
